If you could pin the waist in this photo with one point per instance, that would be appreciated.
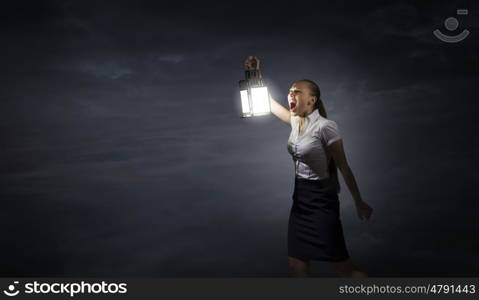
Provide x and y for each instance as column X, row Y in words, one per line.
column 313, row 170
column 322, row 181
column 326, row 185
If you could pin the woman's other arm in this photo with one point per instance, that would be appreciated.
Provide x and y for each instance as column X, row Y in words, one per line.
column 281, row 112
column 337, row 152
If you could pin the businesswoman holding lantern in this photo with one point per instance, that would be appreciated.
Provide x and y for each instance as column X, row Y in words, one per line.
column 314, row 228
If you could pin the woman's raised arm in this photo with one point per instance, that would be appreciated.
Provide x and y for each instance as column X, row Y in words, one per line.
column 281, row 112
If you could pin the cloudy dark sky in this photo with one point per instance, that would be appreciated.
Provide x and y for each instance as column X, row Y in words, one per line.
column 123, row 153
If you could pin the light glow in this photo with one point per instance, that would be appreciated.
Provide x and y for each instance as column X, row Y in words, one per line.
column 260, row 100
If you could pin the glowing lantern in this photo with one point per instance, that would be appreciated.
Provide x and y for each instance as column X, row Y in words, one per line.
column 254, row 95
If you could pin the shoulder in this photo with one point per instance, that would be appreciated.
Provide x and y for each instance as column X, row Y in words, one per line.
column 326, row 124
column 328, row 131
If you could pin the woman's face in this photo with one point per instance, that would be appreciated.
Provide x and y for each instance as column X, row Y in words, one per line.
column 300, row 99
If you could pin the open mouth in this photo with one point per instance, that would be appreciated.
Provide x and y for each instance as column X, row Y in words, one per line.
column 292, row 105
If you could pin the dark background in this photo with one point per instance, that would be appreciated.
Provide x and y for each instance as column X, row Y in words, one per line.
column 123, row 154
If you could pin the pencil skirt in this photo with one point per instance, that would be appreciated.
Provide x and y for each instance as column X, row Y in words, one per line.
column 315, row 231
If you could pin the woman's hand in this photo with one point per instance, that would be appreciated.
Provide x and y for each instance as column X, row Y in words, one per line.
column 251, row 63
column 364, row 211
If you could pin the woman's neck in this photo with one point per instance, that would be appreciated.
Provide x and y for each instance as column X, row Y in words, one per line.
column 303, row 117
column 306, row 113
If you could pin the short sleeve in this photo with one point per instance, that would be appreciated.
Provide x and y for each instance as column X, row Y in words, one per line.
column 330, row 132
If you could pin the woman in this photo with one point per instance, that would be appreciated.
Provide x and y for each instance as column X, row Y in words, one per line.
column 314, row 229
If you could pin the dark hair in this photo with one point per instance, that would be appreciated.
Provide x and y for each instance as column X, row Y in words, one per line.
column 315, row 91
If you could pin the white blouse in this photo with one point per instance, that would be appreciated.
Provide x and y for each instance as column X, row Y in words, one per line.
column 308, row 146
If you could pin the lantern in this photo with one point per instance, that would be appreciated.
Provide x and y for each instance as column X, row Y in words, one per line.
column 254, row 95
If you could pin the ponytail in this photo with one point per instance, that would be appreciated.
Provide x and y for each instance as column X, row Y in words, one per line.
column 315, row 91
column 320, row 106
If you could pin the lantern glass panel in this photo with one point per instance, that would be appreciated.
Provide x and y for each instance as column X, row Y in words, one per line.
column 244, row 101
column 260, row 100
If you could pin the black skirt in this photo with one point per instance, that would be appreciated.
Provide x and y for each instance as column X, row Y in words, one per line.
column 315, row 231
